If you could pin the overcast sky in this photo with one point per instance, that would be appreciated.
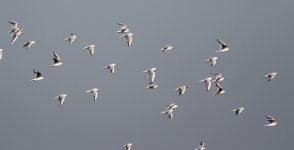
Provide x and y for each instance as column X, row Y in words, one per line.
column 259, row 33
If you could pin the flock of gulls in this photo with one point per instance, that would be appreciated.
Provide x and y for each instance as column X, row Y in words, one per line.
column 215, row 79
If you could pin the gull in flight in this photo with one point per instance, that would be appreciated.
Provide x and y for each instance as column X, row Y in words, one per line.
column 167, row 48
column 271, row 121
column 15, row 35
column 171, row 106
column 110, row 67
column 222, row 46
column 13, row 26
column 238, row 110
column 71, row 38
column 271, row 76
column 218, row 77
column 1, row 53
column 28, row 44
column 152, row 86
column 151, row 73
column 129, row 37
column 90, row 48
column 201, row 146
column 61, row 99
column 169, row 113
column 212, row 60
column 37, row 76
column 169, row 109
column 220, row 90
column 56, row 60
column 94, row 92
column 182, row 89
column 128, row 146
column 123, row 28
column 207, row 82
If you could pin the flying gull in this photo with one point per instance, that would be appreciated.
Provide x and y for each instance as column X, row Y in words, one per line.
column 201, row 146
column 238, row 110
column 222, row 46
column 37, row 76
column 212, row 60
column 71, row 38
column 151, row 73
column 129, row 37
column 271, row 76
column 167, row 48
column 56, row 60
column 1, row 53
column 182, row 89
column 28, row 44
column 207, row 82
column 169, row 109
column 220, row 89
column 123, row 28
column 218, row 77
column 61, row 99
column 128, row 146
column 171, row 106
column 110, row 67
column 14, row 26
column 15, row 35
column 94, row 92
column 90, row 48
column 271, row 121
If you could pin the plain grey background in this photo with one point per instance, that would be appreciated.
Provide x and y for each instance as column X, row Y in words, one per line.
column 259, row 33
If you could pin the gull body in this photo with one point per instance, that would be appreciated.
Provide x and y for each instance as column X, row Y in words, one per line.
column 94, row 92
column 129, row 37
column 222, row 46
column 15, row 35
column 151, row 73
column 171, row 106
column 220, row 89
column 271, row 76
column 271, row 121
column 56, row 60
column 90, row 48
column 167, row 48
column 110, row 67
column 28, row 44
column 238, row 110
column 169, row 113
column 61, row 99
column 207, row 82
column 72, row 37
column 128, row 146
column 169, row 109
column 37, row 76
column 14, row 26
column 212, row 60
column 1, row 53
column 218, row 77
column 182, row 89
column 201, row 146
column 123, row 28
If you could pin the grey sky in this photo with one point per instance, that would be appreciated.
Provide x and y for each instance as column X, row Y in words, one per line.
column 259, row 33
